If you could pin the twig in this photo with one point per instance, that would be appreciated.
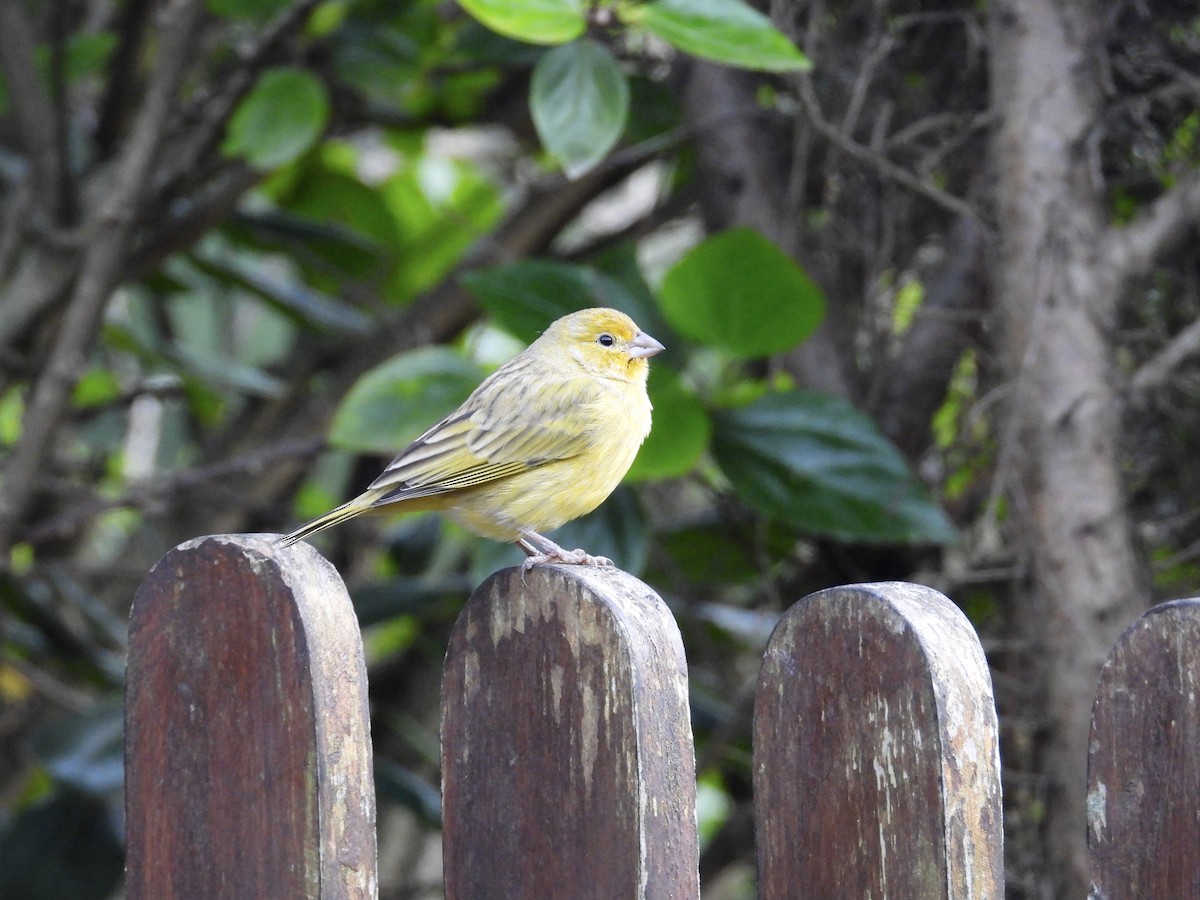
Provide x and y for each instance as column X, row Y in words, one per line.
column 213, row 112
column 881, row 164
column 177, row 230
column 147, row 493
column 99, row 273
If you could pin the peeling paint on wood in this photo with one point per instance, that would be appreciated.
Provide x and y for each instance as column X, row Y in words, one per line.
column 247, row 737
column 567, row 761
column 1144, row 760
column 876, row 760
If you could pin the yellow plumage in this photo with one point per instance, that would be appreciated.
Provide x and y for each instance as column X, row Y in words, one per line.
column 543, row 440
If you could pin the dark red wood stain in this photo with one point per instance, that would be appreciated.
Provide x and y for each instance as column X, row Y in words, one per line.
column 876, row 769
column 1144, row 760
column 568, row 768
column 247, row 749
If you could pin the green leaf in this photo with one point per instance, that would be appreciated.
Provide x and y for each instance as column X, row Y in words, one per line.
column 281, row 118
column 725, row 31
column 534, row 21
column 680, row 432
column 88, row 52
column 740, row 292
column 441, row 208
column 579, row 99
column 96, row 387
column 395, row 402
column 524, row 297
column 818, row 463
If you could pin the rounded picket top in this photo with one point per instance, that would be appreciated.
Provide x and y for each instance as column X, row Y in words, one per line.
column 248, row 768
column 568, row 768
column 1143, row 809
column 876, row 753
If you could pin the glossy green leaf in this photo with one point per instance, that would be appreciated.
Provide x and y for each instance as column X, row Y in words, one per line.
column 680, row 431
column 818, row 463
column 534, row 21
column 725, row 31
column 579, row 99
column 395, row 402
column 740, row 292
column 441, row 208
column 524, row 297
column 281, row 118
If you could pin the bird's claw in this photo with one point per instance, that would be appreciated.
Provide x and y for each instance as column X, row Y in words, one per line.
column 575, row 557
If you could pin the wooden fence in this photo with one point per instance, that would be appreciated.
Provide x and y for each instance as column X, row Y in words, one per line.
column 567, row 759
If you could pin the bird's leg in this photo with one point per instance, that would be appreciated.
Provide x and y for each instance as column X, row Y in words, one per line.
column 550, row 552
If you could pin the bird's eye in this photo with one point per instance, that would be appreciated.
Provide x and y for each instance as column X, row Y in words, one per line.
column 606, row 340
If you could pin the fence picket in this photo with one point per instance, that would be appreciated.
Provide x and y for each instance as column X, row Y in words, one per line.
column 1144, row 760
column 567, row 761
column 876, row 764
column 247, row 744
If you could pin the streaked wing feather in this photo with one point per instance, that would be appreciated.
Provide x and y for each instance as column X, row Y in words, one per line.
column 475, row 445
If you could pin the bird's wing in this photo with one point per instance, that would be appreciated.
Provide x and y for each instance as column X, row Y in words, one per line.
column 489, row 439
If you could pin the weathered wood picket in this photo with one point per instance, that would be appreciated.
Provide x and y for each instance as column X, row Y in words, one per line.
column 568, row 768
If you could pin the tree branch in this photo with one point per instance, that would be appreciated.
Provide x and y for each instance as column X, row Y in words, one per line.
column 880, row 164
column 31, row 104
column 1156, row 371
column 212, row 113
column 114, row 109
column 111, row 231
column 1132, row 249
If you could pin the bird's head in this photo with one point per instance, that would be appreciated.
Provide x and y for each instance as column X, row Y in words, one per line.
column 605, row 342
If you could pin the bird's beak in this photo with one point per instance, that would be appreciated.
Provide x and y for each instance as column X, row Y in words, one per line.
column 644, row 346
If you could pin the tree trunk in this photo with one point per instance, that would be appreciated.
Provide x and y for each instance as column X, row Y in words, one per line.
column 1055, row 297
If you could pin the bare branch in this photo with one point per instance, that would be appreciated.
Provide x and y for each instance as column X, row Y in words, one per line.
column 213, row 111
column 1155, row 372
column 1132, row 249
column 31, row 103
column 149, row 493
column 119, row 90
column 880, row 164
column 111, row 229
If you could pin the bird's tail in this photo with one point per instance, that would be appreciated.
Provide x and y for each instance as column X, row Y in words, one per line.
column 347, row 510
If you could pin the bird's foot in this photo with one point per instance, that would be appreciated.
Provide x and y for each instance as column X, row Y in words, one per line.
column 550, row 552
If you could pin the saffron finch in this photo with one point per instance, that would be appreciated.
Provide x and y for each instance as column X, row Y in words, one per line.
column 543, row 440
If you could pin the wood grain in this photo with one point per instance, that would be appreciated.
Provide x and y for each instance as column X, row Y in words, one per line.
column 1144, row 760
column 247, row 754
column 876, row 763
column 567, row 757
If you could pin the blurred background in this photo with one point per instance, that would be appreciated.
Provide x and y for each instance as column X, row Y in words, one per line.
column 927, row 272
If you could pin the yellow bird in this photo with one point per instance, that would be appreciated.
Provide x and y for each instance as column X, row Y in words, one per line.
column 543, row 440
